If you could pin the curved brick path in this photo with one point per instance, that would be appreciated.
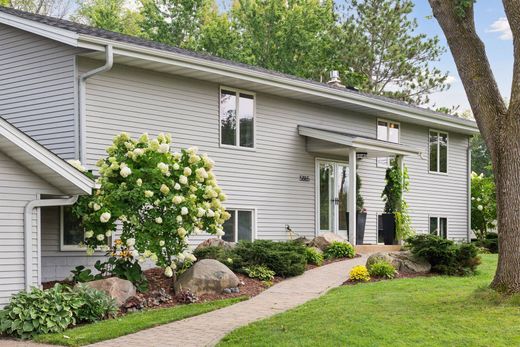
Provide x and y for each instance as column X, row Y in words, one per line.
column 207, row 329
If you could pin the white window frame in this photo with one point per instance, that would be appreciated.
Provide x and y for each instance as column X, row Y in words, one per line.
column 253, row 221
column 73, row 248
column 439, row 225
column 237, row 137
column 387, row 133
column 63, row 247
column 438, row 172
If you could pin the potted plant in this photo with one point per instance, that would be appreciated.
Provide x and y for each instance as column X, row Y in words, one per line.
column 396, row 221
column 361, row 213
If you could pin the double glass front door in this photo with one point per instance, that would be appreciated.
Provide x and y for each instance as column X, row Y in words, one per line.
column 332, row 193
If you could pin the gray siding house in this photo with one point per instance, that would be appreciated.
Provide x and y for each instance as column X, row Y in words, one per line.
column 287, row 150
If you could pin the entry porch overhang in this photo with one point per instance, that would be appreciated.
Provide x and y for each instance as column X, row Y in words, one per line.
column 336, row 143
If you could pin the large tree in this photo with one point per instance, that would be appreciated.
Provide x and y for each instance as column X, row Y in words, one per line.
column 379, row 40
column 499, row 124
column 110, row 15
column 55, row 8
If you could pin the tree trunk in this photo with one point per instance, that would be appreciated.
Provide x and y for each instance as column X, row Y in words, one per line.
column 498, row 124
column 507, row 179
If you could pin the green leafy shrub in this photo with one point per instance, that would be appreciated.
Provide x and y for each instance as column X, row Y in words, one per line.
column 445, row 256
column 225, row 256
column 359, row 274
column 97, row 305
column 313, row 256
column 259, row 271
column 284, row 258
column 382, row 269
column 339, row 250
column 40, row 312
column 489, row 242
column 81, row 274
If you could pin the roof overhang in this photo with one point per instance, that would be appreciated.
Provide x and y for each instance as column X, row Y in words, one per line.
column 244, row 77
column 42, row 162
column 337, row 143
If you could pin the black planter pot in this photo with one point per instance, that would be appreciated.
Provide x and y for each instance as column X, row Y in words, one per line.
column 389, row 228
column 361, row 220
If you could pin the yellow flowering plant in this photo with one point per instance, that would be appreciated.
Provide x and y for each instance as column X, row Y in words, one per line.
column 158, row 197
column 359, row 274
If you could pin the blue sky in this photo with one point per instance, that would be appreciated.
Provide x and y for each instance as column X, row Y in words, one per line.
column 494, row 32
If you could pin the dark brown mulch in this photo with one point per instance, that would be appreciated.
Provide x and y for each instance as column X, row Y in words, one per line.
column 50, row 284
column 329, row 261
column 397, row 276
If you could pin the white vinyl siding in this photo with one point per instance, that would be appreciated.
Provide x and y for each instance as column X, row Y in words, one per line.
column 37, row 88
column 137, row 101
column 18, row 186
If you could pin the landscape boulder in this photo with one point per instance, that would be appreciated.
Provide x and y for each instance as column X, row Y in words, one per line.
column 118, row 289
column 215, row 242
column 206, row 276
column 404, row 262
column 326, row 239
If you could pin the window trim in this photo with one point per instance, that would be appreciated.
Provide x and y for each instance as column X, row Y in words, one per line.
column 237, row 141
column 438, row 217
column 439, row 153
column 253, row 221
column 387, row 130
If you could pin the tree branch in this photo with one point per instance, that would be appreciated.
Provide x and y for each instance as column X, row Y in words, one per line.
column 473, row 67
column 512, row 9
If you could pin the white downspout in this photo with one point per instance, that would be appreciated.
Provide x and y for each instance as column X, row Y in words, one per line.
column 27, row 225
column 109, row 62
column 469, row 190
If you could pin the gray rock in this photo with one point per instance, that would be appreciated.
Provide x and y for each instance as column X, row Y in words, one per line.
column 404, row 262
column 207, row 276
column 324, row 240
column 120, row 290
column 227, row 290
column 215, row 242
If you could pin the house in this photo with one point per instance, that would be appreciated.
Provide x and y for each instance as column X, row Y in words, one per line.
column 287, row 150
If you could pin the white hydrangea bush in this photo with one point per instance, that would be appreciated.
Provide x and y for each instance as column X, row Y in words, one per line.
column 160, row 198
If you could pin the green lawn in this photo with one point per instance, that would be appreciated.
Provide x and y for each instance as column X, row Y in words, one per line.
column 435, row 311
column 130, row 323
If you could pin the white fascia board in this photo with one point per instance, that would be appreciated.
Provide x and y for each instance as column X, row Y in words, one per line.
column 242, row 73
column 45, row 157
column 48, row 31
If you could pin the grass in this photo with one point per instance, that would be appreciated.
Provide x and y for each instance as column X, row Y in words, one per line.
column 130, row 323
column 424, row 311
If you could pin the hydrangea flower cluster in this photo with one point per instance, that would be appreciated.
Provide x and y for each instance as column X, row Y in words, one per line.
column 158, row 197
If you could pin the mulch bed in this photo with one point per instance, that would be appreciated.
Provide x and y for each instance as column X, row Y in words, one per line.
column 397, row 276
column 329, row 261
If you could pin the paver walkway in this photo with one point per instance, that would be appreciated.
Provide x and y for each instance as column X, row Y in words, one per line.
column 207, row 329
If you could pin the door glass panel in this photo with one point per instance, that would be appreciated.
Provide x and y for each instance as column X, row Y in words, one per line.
column 325, row 198
column 342, row 179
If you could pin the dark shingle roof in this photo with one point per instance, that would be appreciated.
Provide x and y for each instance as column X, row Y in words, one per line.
column 110, row 35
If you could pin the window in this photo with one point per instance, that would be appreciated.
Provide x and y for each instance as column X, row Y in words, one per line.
column 439, row 226
column 239, row 226
column 237, row 119
column 71, row 232
column 438, row 142
column 387, row 131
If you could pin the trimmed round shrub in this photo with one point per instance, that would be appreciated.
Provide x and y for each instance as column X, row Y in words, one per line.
column 445, row 256
column 339, row 250
column 359, row 274
column 226, row 256
column 313, row 256
column 286, row 259
column 382, row 269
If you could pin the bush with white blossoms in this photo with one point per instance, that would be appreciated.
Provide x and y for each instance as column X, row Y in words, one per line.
column 483, row 205
column 159, row 198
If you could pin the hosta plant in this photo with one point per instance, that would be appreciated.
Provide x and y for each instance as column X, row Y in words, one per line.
column 339, row 250
column 158, row 197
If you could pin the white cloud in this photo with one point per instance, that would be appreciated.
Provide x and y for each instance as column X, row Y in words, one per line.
column 451, row 79
column 501, row 26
